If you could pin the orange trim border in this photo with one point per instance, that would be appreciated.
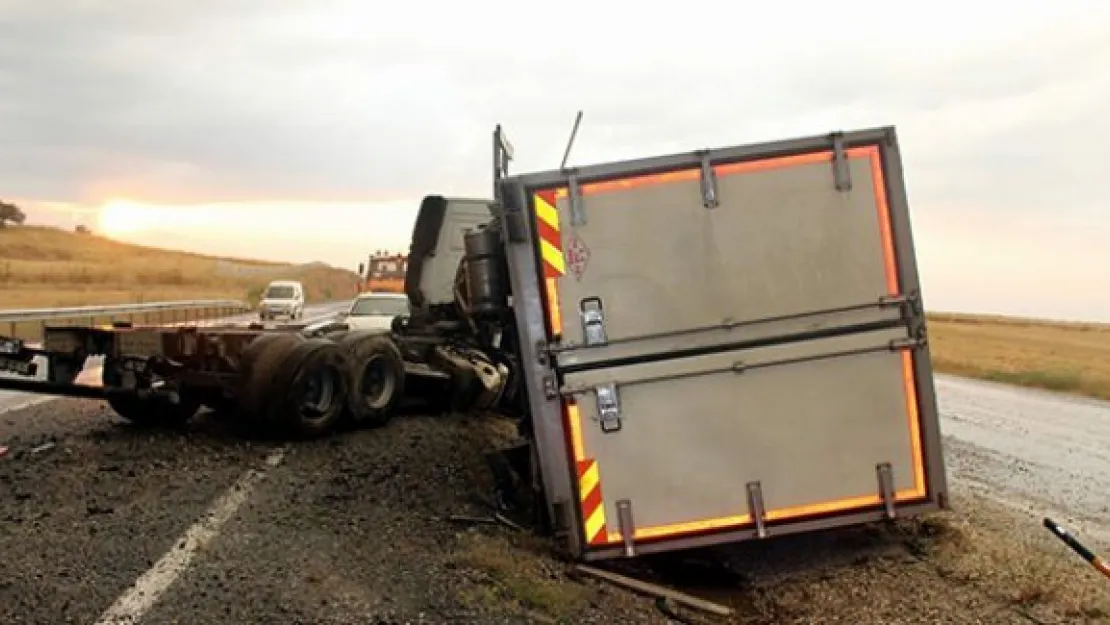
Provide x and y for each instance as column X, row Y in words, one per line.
column 587, row 468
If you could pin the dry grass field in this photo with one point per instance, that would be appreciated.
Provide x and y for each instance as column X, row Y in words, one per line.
column 1059, row 356
column 49, row 267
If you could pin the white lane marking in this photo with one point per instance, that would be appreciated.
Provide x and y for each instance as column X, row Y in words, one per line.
column 141, row 597
column 26, row 404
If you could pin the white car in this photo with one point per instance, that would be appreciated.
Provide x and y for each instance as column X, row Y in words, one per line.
column 375, row 311
column 282, row 298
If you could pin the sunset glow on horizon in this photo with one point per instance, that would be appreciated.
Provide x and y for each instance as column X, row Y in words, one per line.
column 121, row 217
column 339, row 233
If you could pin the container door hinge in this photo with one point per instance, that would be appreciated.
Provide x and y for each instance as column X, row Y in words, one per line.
column 543, row 352
column 841, row 174
column 708, row 182
column 886, row 487
column 756, row 510
column 913, row 300
column 577, row 210
column 550, row 390
column 608, row 407
column 906, row 343
column 593, row 321
column 628, row 528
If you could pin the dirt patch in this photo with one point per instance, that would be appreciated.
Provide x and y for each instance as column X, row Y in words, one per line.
column 979, row 563
column 516, row 570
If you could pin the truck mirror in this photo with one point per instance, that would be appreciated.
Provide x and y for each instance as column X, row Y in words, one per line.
column 361, row 269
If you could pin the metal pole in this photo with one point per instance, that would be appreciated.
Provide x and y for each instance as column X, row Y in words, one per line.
column 573, row 134
column 496, row 159
column 1078, row 547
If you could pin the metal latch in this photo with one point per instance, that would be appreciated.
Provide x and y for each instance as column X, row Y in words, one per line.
column 608, row 407
column 593, row 321
column 550, row 391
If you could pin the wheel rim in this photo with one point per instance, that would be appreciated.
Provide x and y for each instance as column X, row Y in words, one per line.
column 377, row 384
column 319, row 394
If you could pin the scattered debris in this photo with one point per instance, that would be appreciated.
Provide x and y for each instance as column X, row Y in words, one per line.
column 670, row 610
column 1100, row 565
column 496, row 519
column 655, row 590
column 504, row 520
column 43, row 447
column 474, row 520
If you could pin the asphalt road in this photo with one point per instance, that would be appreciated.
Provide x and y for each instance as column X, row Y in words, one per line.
column 10, row 400
column 203, row 527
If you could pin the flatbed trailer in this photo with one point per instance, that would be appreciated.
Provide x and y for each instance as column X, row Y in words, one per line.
column 701, row 348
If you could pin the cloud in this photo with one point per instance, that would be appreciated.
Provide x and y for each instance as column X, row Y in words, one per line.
column 341, row 103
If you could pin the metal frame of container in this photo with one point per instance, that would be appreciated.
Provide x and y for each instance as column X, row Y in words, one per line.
column 553, row 427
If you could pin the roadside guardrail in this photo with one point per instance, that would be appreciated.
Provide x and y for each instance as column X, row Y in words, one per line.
column 30, row 324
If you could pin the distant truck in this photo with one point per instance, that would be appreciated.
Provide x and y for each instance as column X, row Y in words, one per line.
column 701, row 348
column 384, row 273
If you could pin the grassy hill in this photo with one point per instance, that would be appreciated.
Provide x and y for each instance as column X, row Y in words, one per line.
column 49, row 267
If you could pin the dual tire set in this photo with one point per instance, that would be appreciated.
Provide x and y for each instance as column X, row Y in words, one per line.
column 292, row 386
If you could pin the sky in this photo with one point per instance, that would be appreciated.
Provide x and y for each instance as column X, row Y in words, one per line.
column 309, row 130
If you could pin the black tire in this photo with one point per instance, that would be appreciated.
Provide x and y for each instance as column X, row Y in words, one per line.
column 310, row 390
column 155, row 411
column 258, row 365
column 376, row 377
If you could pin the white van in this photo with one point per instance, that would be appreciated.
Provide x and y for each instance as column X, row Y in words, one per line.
column 282, row 298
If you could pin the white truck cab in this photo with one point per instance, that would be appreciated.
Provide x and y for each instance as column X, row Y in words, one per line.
column 282, row 298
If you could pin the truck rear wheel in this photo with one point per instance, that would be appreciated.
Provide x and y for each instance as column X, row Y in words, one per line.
column 309, row 393
column 258, row 365
column 376, row 377
column 154, row 411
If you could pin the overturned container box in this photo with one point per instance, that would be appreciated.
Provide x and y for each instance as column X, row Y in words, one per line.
column 724, row 345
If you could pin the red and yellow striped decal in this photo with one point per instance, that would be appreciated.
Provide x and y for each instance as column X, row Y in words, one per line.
column 551, row 251
column 593, row 506
column 551, row 241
